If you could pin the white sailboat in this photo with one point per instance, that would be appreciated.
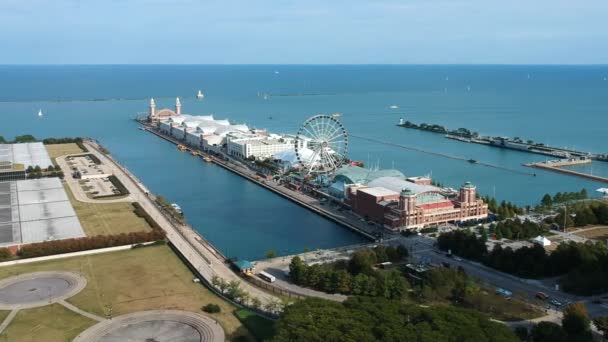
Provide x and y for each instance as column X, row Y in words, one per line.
column 40, row 113
column 200, row 95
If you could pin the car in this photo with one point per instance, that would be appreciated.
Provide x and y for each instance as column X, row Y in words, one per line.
column 541, row 296
column 457, row 258
column 555, row 302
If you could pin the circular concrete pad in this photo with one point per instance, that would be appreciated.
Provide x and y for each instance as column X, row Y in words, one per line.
column 38, row 289
column 155, row 326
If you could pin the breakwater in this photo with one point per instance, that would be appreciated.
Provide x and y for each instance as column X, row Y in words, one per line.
column 517, row 144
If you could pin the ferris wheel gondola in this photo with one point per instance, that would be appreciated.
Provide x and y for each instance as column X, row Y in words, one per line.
column 321, row 144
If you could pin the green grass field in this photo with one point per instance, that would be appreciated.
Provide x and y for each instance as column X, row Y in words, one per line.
column 129, row 281
column 58, row 150
column 107, row 218
column 47, row 323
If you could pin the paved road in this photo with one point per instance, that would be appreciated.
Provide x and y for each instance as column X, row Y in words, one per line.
column 422, row 249
column 202, row 257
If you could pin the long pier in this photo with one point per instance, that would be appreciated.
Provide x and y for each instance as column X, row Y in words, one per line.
column 568, row 172
column 302, row 200
column 443, row 155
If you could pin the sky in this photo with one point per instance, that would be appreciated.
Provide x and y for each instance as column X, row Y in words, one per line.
column 303, row 32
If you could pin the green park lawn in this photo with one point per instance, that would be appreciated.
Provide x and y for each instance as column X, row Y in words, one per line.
column 123, row 282
column 107, row 218
column 47, row 323
column 58, row 150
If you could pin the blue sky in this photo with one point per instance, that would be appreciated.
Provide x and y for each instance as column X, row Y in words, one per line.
column 303, row 32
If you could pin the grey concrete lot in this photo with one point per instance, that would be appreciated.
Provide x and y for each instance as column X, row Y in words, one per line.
column 157, row 326
column 38, row 289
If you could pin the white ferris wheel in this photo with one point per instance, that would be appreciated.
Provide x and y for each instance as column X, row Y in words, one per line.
column 321, row 144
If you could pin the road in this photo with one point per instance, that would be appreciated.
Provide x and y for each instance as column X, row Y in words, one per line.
column 188, row 242
column 422, row 249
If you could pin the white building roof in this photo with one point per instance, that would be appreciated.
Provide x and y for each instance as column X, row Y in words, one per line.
column 378, row 191
column 28, row 154
column 397, row 184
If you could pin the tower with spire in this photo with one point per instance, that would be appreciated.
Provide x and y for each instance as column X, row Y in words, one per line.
column 152, row 110
column 178, row 106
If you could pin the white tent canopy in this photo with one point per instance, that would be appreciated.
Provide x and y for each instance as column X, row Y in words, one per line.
column 541, row 240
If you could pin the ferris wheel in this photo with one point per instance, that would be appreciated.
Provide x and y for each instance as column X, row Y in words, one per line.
column 321, row 144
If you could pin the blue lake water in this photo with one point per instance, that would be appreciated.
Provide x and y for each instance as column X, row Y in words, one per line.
column 558, row 105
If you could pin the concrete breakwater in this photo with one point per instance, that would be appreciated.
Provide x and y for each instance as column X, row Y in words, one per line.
column 517, row 144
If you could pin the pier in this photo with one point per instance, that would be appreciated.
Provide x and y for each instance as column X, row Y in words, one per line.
column 555, row 167
column 517, row 144
column 303, row 200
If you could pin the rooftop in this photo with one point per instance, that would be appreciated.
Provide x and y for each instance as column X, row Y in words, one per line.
column 351, row 174
column 378, row 191
column 398, row 184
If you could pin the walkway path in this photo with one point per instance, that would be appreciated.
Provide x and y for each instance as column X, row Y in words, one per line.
column 80, row 311
column 194, row 249
column 8, row 320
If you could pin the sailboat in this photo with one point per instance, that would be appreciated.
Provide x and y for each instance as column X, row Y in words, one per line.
column 40, row 113
column 200, row 95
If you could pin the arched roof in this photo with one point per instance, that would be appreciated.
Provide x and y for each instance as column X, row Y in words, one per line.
column 350, row 174
column 398, row 183
column 165, row 113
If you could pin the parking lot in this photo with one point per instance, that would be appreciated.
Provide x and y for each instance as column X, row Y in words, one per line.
column 93, row 177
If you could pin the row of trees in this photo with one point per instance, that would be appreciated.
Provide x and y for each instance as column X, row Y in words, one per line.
column 356, row 276
column 503, row 209
column 581, row 214
column 379, row 319
column 548, row 201
column 87, row 243
column 585, row 265
column 18, row 139
column 517, row 229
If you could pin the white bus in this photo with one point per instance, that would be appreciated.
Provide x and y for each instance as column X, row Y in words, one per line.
column 268, row 277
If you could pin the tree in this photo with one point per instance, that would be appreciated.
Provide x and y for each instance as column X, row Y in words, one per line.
column 576, row 320
column 548, row 332
column 271, row 254
column 256, row 302
column 547, row 201
column 362, row 262
column 380, row 319
column 522, row 333
column 297, row 270
column 601, row 323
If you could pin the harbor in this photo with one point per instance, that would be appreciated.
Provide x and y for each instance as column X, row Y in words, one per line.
column 311, row 169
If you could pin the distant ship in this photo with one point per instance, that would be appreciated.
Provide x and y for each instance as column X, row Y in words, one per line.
column 394, row 107
column 40, row 112
column 336, row 115
column 200, row 95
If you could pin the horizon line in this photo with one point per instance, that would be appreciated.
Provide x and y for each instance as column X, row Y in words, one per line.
column 303, row 64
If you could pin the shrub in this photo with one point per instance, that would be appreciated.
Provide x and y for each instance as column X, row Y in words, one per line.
column 87, row 243
column 5, row 254
column 212, row 308
column 141, row 212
